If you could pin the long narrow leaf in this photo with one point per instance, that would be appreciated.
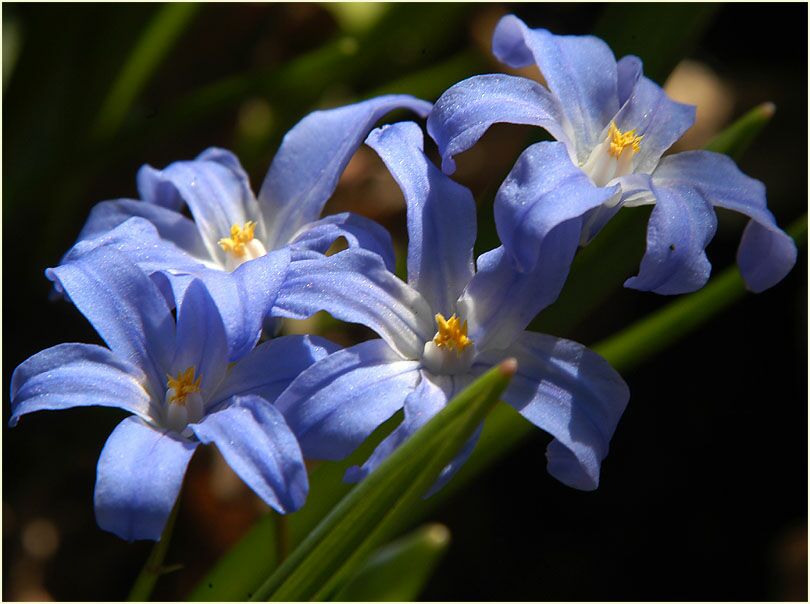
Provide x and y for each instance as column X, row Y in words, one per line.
column 418, row 461
column 398, row 571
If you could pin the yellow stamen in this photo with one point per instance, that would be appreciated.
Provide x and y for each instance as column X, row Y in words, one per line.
column 452, row 333
column 240, row 237
column 620, row 140
column 183, row 385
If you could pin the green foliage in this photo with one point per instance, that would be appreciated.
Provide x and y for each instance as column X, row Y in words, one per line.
column 367, row 515
column 398, row 571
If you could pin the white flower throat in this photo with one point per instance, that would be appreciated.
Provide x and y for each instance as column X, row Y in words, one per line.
column 184, row 403
column 450, row 351
column 613, row 157
column 241, row 246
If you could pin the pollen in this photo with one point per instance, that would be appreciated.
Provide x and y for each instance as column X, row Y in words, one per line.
column 452, row 333
column 240, row 237
column 619, row 140
column 183, row 385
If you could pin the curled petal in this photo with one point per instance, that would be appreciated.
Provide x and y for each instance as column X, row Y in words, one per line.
column 77, row 375
column 256, row 442
column 441, row 217
column 337, row 403
column 140, row 472
column 543, row 190
column 580, row 71
column 766, row 253
column 313, row 155
column 681, row 225
column 571, row 393
column 359, row 231
column 466, row 110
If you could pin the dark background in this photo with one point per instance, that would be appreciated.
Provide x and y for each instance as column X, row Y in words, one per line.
column 704, row 493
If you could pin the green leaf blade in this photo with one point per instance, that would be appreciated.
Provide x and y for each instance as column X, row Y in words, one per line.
column 410, row 469
column 398, row 571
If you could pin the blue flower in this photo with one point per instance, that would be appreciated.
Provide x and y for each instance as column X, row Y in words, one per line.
column 176, row 381
column 240, row 246
column 613, row 125
column 442, row 329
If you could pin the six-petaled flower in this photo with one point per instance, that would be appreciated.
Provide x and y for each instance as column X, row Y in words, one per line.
column 424, row 358
column 175, row 379
column 613, row 126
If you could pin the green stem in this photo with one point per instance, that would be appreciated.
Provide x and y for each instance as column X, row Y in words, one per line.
column 153, row 568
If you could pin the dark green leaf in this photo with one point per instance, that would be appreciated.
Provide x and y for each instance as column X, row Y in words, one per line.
column 398, row 571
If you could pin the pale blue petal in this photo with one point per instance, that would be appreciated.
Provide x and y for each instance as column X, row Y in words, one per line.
column 123, row 305
column 571, row 393
column 766, row 253
column 313, row 155
column 765, row 256
column 681, row 225
column 543, row 190
column 140, row 472
column 77, row 375
column 358, row 231
column 653, row 115
column 628, row 71
column 466, row 110
column 430, row 396
column 580, row 71
column 441, row 217
column 501, row 301
column 244, row 297
column 337, row 403
column 171, row 225
column 270, row 367
column 256, row 442
column 355, row 286
column 217, row 195
column 201, row 339
column 140, row 241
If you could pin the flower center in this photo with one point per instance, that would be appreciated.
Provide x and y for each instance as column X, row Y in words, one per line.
column 450, row 351
column 613, row 157
column 240, row 237
column 619, row 140
column 241, row 246
column 182, row 386
column 184, row 403
column 452, row 334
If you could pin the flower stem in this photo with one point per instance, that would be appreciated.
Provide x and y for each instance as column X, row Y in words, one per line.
column 153, row 568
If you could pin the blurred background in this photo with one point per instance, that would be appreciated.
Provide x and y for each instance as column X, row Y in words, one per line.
column 704, row 493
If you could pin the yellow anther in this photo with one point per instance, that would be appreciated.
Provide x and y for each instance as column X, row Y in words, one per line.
column 183, row 385
column 240, row 237
column 452, row 333
column 620, row 140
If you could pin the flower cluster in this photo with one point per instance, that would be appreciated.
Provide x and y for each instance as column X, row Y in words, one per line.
column 182, row 283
